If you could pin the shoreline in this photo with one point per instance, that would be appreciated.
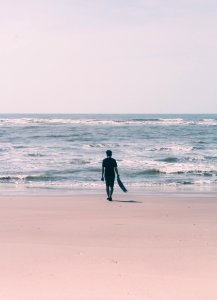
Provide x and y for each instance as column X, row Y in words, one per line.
column 117, row 193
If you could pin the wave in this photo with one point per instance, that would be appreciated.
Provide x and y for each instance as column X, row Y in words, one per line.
column 8, row 178
column 104, row 145
column 162, row 167
column 177, row 148
column 169, row 159
column 185, row 182
column 25, row 178
column 54, row 177
column 208, row 122
column 211, row 157
column 149, row 172
column 146, row 120
column 35, row 155
column 43, row 178
column 32, row 122
column 94, row 145
column 190, row 170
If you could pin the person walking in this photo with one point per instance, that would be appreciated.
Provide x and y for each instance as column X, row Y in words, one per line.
column 109, row 168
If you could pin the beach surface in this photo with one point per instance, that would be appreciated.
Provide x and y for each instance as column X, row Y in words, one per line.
column 87, row 248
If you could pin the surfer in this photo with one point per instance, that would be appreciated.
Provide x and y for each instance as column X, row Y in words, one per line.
column 109, row 168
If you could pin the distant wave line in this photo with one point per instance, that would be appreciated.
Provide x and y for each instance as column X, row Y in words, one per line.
column 165, row 122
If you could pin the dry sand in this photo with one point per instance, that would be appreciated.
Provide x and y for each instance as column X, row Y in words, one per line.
column 87, row 248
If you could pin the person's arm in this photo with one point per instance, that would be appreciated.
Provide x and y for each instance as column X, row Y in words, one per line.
column 116, row 171
column 103, row 172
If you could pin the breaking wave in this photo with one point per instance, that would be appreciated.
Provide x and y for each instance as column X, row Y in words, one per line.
column 31, row 122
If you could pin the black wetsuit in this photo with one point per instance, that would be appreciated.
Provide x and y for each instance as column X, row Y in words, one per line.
column 109, row 164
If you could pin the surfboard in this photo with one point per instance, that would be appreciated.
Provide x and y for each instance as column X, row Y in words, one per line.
column 121, row 185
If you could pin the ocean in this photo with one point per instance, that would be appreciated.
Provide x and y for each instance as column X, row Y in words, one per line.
column 63, row 153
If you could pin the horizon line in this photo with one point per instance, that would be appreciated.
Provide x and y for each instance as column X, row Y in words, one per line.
column 92, row 113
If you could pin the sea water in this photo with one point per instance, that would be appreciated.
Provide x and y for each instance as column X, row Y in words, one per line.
column 64, row 153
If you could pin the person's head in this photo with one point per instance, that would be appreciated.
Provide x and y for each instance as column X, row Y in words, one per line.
column 109, row 153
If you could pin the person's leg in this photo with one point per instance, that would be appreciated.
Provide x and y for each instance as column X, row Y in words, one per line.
column 107, row 191
column 107, row 187
column 111, row 187
column 111, row 192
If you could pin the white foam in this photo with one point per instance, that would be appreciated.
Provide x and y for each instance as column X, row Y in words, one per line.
column 177, row 148
column 197, row 168
column 160, row 122
column 207, row 122
column 204, row 182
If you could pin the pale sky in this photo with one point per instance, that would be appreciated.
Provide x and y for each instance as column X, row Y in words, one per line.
column 111, row 56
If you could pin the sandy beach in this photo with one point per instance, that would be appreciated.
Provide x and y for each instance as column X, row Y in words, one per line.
column 86, row 248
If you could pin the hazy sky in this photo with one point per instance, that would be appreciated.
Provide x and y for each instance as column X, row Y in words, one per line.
column 114, row 56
